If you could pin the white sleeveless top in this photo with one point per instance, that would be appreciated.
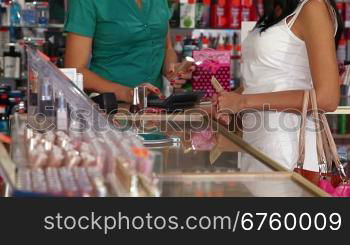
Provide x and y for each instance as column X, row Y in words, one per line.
column 277, row 60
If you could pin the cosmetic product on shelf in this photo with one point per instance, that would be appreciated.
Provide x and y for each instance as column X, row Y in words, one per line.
column 178, row 47
column 218, row 15
column 247, row 9
column 221, row 44
column 43, row 13
column 29, row 14
column 234, row 13
column 187, row 13
column 12, row 62
column 15, row 13
column 4, row 40
column 260, row 8
column 203, row 13
column 4, row 120
column 342, row 124
column 205, row 43
column 189, row 47
column 341, row 51
column 174, row 6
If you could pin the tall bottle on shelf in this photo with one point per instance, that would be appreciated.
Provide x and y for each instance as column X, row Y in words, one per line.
column 12, row 62
column 218, row 15
column 234, row 13
column 15, row 13
column 203, row 13
column 174, row 6
column 247, row 9
column 187, row 13
column 178, row 47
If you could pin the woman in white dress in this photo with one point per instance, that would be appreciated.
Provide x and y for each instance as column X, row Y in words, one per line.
column 291, row 46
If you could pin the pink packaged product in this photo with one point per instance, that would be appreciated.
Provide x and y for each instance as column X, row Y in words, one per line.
column 212, row 63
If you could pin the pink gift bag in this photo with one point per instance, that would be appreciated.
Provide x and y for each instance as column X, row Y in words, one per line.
column 213, row 63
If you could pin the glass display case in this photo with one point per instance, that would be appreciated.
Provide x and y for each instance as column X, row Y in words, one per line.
column 153, row 155
column 202, row 159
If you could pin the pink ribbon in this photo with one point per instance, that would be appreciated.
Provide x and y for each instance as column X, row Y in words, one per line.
column 211, row 65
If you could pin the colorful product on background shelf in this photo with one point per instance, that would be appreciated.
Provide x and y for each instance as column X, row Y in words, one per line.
column 260, row 8
column 12, row 62
column 174, row 6
column 218, row 14
column 341, row 51
column 341, row 8
column 4, row 120
column 342, row 124
column 29, row 14
column 43, row 13
column 234, row 14
column 15, row 13
column 189, row 46
column 247, row 10
column 178, row 47
column 347, row 14
column 203, row 13
column 187, row 13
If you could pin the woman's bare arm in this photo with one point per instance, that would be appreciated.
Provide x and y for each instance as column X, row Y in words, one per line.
column 314, row 25
column 78, row 51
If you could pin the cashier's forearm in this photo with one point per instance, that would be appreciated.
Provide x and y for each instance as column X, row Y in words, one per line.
column 170, row 57
column 95, row 83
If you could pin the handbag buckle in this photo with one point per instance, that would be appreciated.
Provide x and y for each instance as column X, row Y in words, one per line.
column 323, row 168
column 342, row 174
column 300, row 165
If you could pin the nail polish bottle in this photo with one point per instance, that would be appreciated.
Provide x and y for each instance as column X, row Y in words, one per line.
column 135, row 107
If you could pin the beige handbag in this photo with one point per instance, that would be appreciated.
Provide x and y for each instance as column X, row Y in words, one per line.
column 334, row 183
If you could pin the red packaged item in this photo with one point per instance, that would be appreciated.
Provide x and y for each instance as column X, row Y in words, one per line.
column 341, row 9
column 213, row 63
column 218, row 17
column 247, row 6
column 234, row 14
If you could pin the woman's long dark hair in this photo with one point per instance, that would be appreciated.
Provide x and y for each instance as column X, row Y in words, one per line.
column 287, row 7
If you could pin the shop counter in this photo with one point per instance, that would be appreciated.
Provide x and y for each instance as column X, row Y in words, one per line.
column 202, row 159
column 82, row 152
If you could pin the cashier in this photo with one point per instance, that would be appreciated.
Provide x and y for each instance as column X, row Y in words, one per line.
column 118, row 45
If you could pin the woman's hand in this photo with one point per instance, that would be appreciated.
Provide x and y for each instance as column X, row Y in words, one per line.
column 177, row 80
column 230, row 102
column 227, row 103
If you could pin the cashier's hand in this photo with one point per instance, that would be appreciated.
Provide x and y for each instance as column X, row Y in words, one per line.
column 152, row 89
column 126, row 94
column 178, row 80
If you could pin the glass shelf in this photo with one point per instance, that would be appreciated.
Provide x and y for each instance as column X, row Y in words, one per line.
column 206, row 28
column 59, row 26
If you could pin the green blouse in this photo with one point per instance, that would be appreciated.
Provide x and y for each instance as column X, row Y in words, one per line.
column 128, row 41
